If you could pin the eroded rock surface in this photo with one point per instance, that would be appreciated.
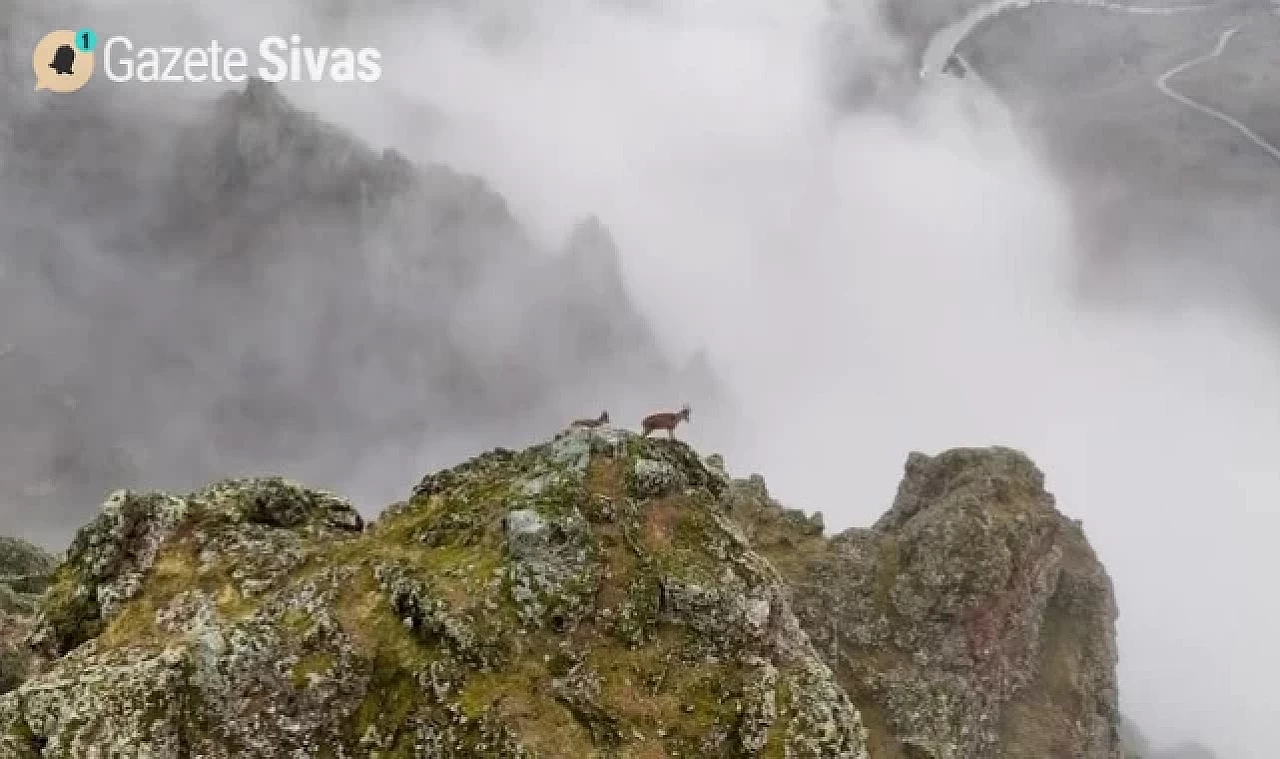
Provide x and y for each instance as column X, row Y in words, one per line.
column 600, row 594
column 973, row 619
column 557, row 601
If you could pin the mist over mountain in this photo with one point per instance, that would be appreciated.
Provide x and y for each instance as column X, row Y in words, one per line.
column 1153, row 182
column 547, row 209
column 233, row 284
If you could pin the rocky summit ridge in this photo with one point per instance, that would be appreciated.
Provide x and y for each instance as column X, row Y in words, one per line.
column 598, row 594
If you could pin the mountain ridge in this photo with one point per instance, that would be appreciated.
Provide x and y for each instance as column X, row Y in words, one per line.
column 281, row 284
column 597, row 594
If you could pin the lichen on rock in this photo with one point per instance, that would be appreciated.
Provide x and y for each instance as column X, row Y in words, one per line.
column 523, row 603
column 264, row 519
column 973, row 620
column 599, row 594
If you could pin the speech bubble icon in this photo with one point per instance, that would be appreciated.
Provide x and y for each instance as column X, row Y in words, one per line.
column 60, row 63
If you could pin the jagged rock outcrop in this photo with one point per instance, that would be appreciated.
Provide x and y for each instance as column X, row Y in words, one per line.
column 600, row 594
column 470, row 318
column 973, row 619
column 584, row 597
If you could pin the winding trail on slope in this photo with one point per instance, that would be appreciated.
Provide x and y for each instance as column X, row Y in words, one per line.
column 942, row 45
column 1162, row 84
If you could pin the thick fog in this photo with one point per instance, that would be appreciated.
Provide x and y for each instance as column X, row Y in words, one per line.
column 901, row 270
column 203, row 284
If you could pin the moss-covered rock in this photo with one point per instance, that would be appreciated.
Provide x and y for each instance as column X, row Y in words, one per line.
column 973, row 620
column 600, row 594
column 589, row 596
column 240, row 535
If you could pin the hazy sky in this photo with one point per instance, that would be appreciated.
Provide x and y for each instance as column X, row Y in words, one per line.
column 871, row 283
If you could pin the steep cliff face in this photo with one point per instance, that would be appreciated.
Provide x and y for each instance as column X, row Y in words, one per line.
column 600, row 594
column 973, row 620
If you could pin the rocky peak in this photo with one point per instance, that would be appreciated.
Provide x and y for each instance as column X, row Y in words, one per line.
column 593, row 256
column 599, row 594
column 588, row 596
column 972, row 620
column 255, row 155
